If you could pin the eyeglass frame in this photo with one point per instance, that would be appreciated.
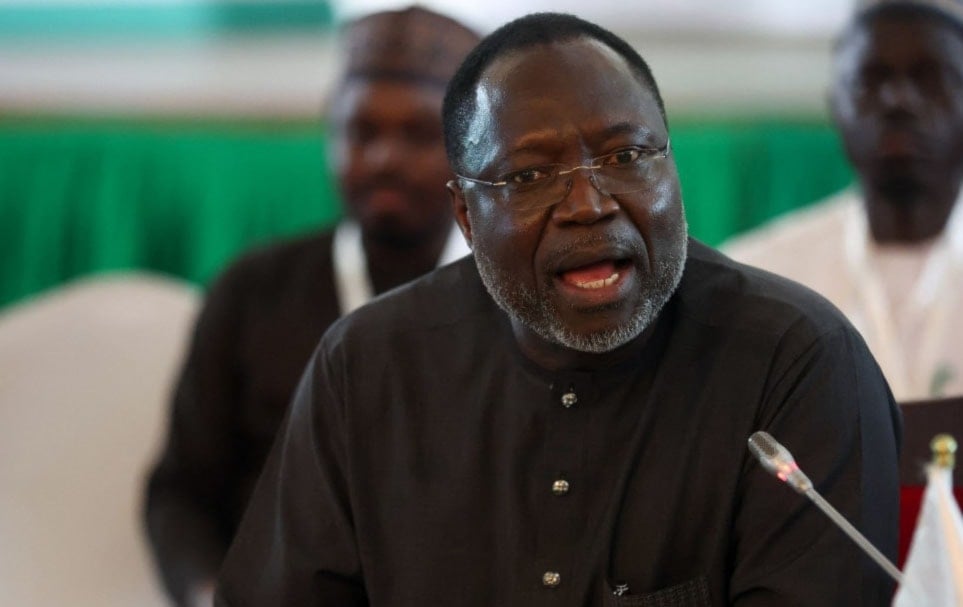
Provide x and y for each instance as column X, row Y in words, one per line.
column 662, row 151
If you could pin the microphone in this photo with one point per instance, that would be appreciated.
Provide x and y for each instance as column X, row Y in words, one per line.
column 778, row 461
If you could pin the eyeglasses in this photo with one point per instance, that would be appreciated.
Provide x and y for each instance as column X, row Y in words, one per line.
column 623, row 171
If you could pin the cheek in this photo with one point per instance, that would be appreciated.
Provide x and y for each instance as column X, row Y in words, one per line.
column 855, row 127
column 346, row 163
column 667, row 200
column 507, row 238
column 660, row 215
column 430, row 170
column 952, row 126
column 845, row 112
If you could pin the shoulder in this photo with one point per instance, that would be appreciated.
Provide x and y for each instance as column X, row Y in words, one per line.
column 269, row 273
column 269, row 268
column 272, row 261
column 719, row 292
column 442, row 299
column 793, row 227
column 771, row 332
column 798, row 240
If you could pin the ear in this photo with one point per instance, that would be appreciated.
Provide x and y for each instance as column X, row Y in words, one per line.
column 460, row 208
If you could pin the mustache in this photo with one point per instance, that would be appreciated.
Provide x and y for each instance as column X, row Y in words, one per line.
column 623, row 242
column 908, row 128
column 386, row 180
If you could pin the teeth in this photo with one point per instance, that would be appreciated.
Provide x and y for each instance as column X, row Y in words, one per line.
column 598, row 284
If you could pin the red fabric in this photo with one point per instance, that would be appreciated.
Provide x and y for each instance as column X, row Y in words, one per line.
column 911, row 498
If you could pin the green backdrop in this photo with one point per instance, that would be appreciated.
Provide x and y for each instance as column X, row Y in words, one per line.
column 183, row 198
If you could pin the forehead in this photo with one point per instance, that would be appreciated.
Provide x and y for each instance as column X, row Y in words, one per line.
column 386, row 98
column 574, row 91
column 902, row 40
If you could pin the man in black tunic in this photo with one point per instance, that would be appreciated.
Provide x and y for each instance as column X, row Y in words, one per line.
column 562, row 420
column 265, row 314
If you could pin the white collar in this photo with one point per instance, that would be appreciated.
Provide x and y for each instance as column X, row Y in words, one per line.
column 352, row 282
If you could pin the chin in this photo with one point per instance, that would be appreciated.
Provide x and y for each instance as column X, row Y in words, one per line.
column 601, row 340
column 902, row 190
column 390, row 232
column 541, row 315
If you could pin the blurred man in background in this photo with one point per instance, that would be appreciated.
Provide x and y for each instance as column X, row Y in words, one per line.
column 265, row 314
column 890, row 254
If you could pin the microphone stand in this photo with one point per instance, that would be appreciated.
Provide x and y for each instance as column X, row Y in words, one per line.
column 855, row 535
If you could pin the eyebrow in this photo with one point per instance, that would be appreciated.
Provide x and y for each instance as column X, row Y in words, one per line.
column 538, row 141
column 625, row 128
column 548, row 139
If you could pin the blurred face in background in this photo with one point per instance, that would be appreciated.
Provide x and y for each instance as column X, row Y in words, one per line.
column 898, row 103
column 388, row 155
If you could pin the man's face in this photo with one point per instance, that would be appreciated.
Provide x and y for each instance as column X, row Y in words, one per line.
column 590, row 272
column 898, row 103
column 388, row 155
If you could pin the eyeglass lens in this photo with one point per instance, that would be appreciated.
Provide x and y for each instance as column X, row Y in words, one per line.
column 607, row 179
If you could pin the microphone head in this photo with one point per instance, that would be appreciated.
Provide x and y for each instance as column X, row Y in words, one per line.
column 768, row 451
column 778, row 461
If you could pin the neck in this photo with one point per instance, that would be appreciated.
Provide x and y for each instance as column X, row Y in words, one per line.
column 910, row 220
column 390, row 265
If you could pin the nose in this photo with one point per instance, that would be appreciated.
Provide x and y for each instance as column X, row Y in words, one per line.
column 899, row 93
column 583, row 203
column 384, row 155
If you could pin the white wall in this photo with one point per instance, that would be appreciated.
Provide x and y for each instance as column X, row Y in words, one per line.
column 741, row 57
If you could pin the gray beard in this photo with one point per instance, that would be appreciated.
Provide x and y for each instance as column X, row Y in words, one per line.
column 523, row 305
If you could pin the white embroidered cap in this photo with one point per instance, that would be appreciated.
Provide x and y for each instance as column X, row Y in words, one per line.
column 951, row 8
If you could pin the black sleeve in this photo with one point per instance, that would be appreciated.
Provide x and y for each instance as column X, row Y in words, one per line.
column 296, row 545
column 187, row 506
column 831, row 407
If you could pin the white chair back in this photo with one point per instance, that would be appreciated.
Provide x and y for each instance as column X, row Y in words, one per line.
column 85, row 374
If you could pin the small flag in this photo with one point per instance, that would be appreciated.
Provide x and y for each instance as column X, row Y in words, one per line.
column 933, row 576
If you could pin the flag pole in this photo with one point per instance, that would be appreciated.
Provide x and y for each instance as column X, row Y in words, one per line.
column 933, row 576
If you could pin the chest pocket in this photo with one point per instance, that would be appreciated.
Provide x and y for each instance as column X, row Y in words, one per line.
column 691, row 593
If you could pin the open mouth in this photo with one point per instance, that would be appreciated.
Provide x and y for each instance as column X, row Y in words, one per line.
column 387, row 197
column 898, row 144
column 596, row 275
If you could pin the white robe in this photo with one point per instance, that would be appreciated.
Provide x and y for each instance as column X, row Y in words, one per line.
column 904, row 299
